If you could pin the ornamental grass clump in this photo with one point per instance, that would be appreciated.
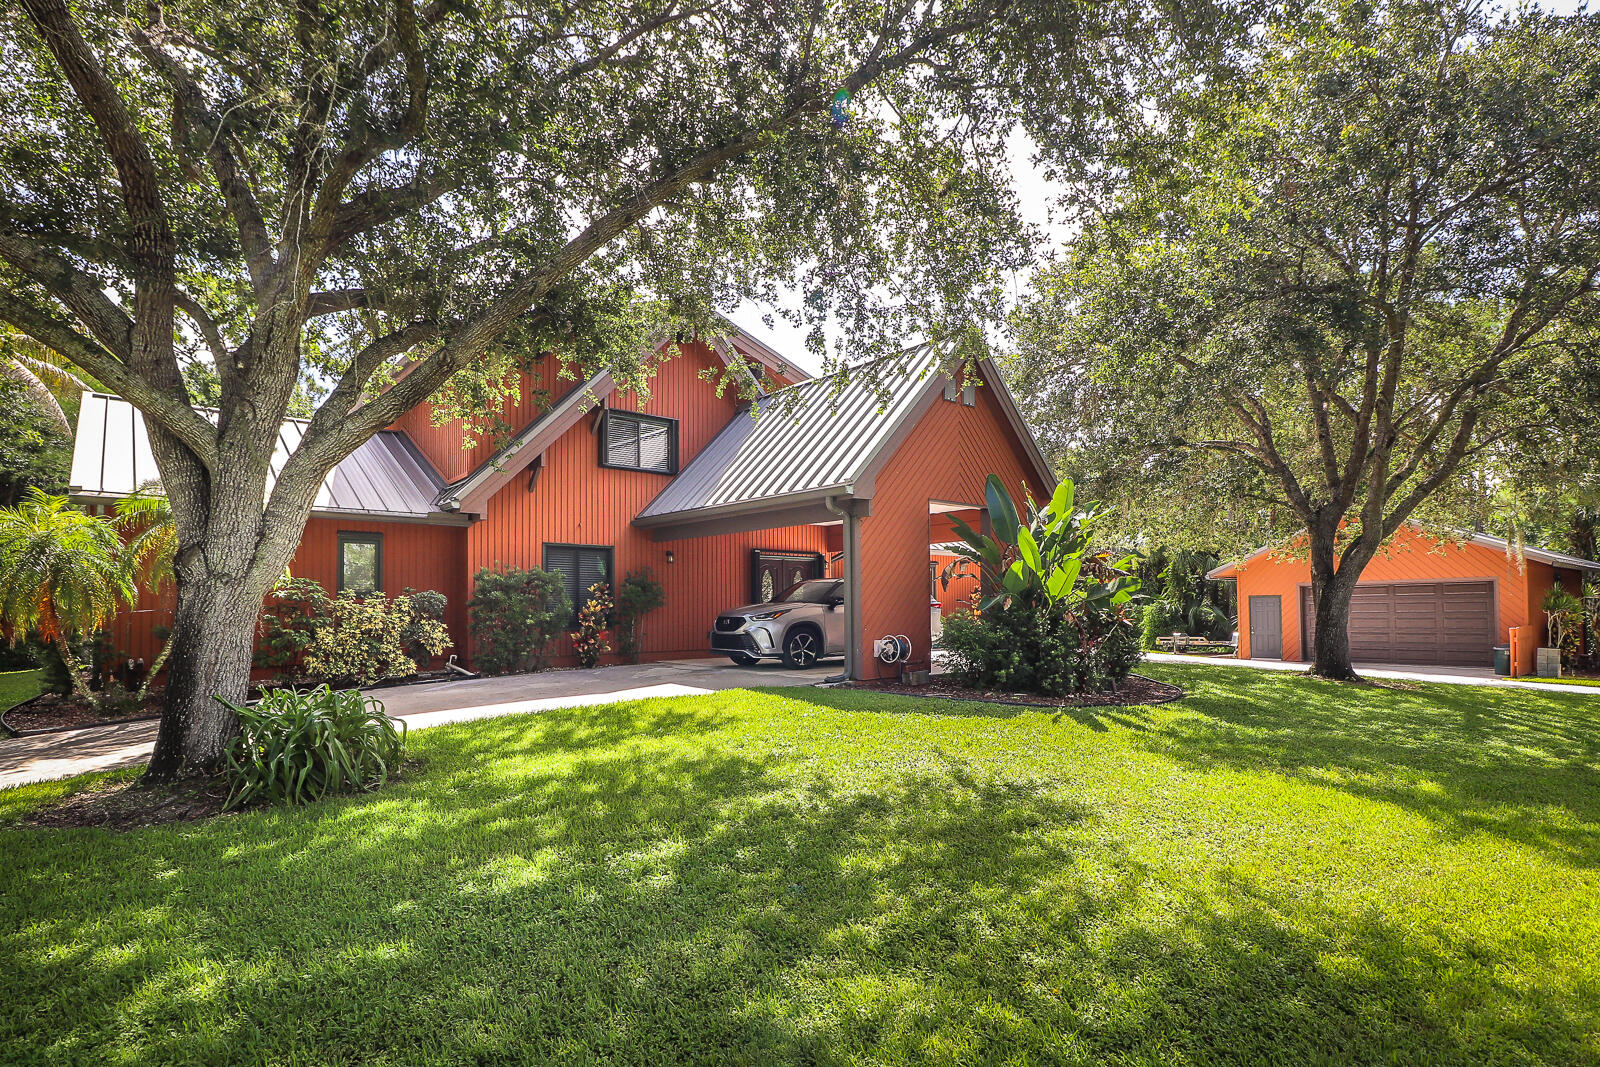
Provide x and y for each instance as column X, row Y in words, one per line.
column 296, row 746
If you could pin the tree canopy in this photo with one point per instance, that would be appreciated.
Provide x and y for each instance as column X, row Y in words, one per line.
column 1342, row 287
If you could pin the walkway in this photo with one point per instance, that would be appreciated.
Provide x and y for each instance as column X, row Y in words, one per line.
column 1450, row 675
column 102, row 748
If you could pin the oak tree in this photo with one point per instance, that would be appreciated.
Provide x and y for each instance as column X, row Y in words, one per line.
column 1325, row 293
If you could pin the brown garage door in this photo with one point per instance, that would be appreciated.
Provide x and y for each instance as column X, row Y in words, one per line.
column 1445, row 623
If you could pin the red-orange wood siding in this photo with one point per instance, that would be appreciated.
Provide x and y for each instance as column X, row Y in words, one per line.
column 946, row 458
column 575, row 500
column 1412, row 556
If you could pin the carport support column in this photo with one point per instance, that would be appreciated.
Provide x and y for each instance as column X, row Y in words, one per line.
column 851, row 511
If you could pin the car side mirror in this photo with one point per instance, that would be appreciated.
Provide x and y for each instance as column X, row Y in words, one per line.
column 836, row 603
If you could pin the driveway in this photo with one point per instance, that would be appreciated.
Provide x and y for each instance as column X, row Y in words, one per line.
column 1452, row 675
column 100, row 748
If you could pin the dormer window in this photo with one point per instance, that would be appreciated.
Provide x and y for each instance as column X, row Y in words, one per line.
column 639, row 442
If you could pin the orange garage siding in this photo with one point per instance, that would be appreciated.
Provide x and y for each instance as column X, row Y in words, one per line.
column 1412, row 557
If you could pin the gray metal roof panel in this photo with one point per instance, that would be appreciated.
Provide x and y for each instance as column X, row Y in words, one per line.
column 819, row 434
column 385, row 476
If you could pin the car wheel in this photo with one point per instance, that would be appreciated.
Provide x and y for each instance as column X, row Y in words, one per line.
column 740, row 659
column 801, row 649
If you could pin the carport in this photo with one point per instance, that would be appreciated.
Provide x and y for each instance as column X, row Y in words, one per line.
column 885, row 452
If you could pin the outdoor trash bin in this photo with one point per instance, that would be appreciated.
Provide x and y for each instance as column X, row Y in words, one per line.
column 1502, row 660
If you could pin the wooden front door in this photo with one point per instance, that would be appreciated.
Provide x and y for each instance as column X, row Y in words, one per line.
column 773, row 572
column 1266, row 627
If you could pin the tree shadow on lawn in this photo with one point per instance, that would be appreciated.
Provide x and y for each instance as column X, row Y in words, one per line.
column 1520, row 765
column 626, row 884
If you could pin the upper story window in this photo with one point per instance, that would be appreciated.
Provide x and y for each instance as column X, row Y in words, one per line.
column 639, row 442
column 360, row 562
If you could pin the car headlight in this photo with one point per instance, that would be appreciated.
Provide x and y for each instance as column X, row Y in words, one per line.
column 765, row 615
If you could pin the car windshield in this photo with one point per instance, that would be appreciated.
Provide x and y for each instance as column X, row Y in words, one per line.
column 815, row 591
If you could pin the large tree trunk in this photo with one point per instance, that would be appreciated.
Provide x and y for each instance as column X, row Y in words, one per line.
column 1333, row 584
column 212, row 642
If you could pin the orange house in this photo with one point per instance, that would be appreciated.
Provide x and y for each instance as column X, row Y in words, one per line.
column 1421, row 600
column 851, row 478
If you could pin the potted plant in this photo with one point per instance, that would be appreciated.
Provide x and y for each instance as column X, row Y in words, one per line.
column 1562, row 613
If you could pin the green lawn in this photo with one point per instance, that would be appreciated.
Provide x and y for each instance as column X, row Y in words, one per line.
column 17, row 686
column 1272, row 870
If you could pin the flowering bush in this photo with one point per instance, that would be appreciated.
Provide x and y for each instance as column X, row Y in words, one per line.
column 372, row 638
column 589, row 639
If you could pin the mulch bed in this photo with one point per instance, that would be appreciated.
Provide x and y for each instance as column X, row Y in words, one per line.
column 49, row 711
column 130, row 805
column 1134, row 690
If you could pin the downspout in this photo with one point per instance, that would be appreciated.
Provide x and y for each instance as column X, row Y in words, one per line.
column 852, row 586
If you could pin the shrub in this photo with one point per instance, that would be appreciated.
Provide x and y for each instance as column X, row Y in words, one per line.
column 294, row 611
column 368, row 639
column 1061, row 618
column 298, row 746
column 514, row 615
column 346, row 638
column 589, row 639
column 639, row 595
column 1020, row 648
column 1158, row 619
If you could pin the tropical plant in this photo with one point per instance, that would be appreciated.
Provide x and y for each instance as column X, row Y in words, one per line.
column 1046, row 560
column 63, row 576
column 296, row 746
column 39, row 373
column 589, row 639
column 638, row 595
column 1563, row 614
column 514, row 615
column 151, row 534
column 1060, row 617
column 35, row 451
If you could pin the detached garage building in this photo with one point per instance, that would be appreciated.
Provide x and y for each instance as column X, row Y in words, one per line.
column 1420, row 601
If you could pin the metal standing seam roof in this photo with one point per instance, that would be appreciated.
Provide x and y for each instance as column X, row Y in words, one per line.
column 821, row 434
column 1229, row 571
column 386, row 477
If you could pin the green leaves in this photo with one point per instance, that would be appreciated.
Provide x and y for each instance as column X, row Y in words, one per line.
column 295, row 747
column 1002, row 512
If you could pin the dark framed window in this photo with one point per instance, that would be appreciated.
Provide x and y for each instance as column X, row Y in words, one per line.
column 580, row 566
column 639, row 442
column 360, row 562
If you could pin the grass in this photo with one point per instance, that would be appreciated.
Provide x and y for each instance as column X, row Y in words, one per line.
column 1272, row 870
column 1566, row 681
column 17, row 686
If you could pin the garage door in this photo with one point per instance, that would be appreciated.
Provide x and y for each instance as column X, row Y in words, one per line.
column 1446, row 623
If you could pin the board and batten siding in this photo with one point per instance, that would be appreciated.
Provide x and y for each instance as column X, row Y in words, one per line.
column 1412, row 556
column 573, row 500
column 947, row 457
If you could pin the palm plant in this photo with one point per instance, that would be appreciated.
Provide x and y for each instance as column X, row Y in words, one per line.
column 27, row 363
column 145, row 520
column 63, row 574
column 1046, row 560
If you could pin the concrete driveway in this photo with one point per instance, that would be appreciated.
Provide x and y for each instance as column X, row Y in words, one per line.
column 99, row 748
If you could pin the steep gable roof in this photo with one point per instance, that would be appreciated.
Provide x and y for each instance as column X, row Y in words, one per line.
column 820, row 438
